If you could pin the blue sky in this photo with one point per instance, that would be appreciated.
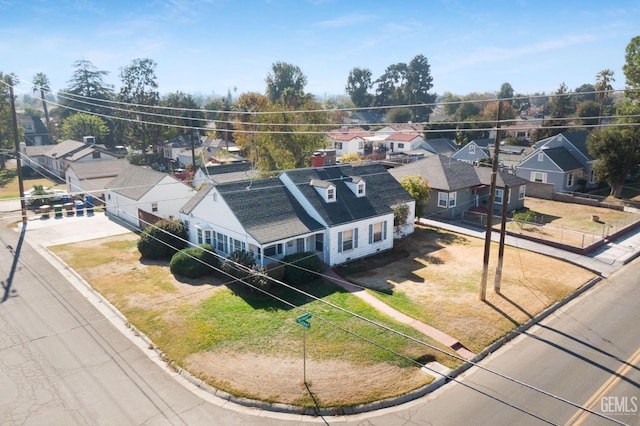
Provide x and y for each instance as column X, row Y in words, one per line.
column 212, row 46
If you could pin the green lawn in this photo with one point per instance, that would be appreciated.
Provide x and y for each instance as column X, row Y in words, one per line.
column 9, row 186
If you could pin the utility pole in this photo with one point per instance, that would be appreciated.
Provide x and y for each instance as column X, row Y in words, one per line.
column 23, row 205
column 487, row 237
column 503, row 232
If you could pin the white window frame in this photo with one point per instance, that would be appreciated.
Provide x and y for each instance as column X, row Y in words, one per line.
column 592, row 176
column 331, row 193
column 521, row 192
column 443, row 199
column 499, row 196
column 570, row 180
column 377, row 232
column 453, row 196
column 540, row 156
column 350, row 243
column 472, row 148
column 543, row 177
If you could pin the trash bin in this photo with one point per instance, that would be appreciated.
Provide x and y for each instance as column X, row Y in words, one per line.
column 89, row 204
column 44, row 210
column 64, row 199
column 68, row 207
column 79, row 207
column 57, row 209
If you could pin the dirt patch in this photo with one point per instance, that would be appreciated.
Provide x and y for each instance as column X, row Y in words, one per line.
column 282, row 379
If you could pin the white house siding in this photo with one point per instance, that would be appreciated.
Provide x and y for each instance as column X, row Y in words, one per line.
column 364, row 248
column 198, row 218
column 169, row 195
column 408, row 228
column 353, row 145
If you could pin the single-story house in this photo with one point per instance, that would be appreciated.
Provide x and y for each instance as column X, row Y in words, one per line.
column 457, row 186
column 141, row 196
column 341, row 213
column 92, row 177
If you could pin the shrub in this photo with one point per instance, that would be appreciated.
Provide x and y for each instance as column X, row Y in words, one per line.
column 241, row 264
column 194, row 262
column 301, row 268
column 524, row 216
column 162, row 240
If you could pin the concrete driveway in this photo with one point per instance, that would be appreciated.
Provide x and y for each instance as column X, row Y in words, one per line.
column 52, row 231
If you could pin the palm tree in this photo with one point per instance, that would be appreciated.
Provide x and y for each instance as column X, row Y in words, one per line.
column 41, row 83
column 603, row 85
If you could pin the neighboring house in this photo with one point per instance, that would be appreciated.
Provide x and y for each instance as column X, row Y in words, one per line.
column 141, row 196
column 346, row 141
column 56, row 158
column 223, row 173
column 35, row 130
column 340, row 212
column 457, row 186
column 561, row 160
column 474, row 151
column 402, row 142
column 443, row 146
column 92, row 177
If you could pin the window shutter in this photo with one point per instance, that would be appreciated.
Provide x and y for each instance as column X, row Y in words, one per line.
column 370, row 233
column 355, row 238
column 339, row 242
column 384, row 230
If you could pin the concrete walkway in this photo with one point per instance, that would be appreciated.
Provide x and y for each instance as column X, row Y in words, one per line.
column 380, row 306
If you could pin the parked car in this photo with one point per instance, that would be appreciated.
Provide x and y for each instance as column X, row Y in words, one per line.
column 37, row 197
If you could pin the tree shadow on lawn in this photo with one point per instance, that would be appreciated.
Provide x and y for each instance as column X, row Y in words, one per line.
column 274, row 296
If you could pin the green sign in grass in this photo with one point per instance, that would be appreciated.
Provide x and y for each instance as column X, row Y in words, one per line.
column 303, row 320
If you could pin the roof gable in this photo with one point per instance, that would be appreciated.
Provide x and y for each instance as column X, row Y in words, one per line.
column 135, row 181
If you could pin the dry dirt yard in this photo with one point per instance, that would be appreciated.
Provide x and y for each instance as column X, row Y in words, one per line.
column 437, row 272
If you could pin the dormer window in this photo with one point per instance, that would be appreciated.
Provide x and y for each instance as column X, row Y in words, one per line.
column 325, row 188
column 357, row 185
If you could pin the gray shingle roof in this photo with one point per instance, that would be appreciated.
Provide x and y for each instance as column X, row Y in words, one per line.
column 442, row 173
column 267, row 211
column 563, row 158
column 135, row 181
column 380, row 189
column 98, row 169
column 502, row 178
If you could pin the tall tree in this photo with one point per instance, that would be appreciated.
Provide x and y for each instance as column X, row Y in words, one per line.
column 87, row 91
column 187, row 113
column 603, row 86
column 358, row 87
column 588, row 113
column 285, row 84
column 390, row 88
column 506, row 92
column 139, row 87
column 7, row 139
column 276, row 140
column 618, row 152
column 41, row 84
column 419, row 82
column 631, row 68
column 561, row 108
column 76, row 126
